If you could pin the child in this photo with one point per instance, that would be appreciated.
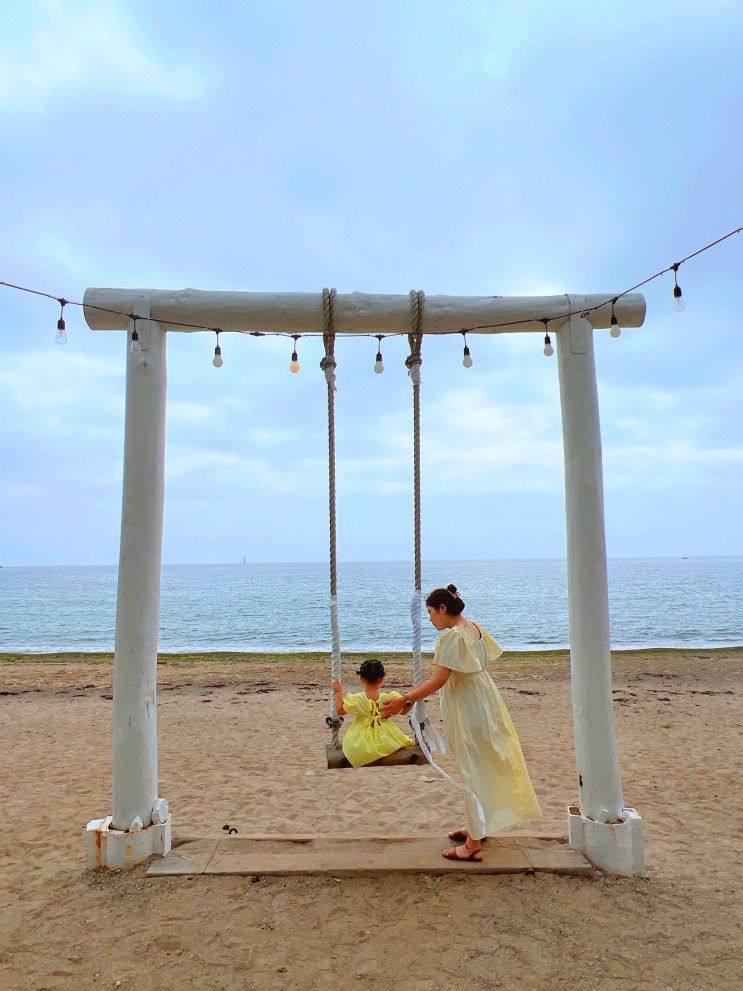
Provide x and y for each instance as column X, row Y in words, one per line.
column 370, row 736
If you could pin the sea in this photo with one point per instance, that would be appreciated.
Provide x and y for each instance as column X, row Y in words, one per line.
column 654, row 602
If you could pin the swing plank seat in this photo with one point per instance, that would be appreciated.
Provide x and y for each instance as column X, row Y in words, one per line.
column 405, row 757
column 259, row 856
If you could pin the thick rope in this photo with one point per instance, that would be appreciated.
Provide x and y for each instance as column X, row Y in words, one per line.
column 413, row 364
column 328, row 365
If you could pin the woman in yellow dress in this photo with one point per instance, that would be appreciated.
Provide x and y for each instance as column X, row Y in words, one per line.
column 482, row 737
column 370, row 736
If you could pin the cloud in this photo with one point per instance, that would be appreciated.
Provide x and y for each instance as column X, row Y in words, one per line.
column 56, row 391
column 85, row 46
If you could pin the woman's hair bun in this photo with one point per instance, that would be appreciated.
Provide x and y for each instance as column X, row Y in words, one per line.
column 453, row 590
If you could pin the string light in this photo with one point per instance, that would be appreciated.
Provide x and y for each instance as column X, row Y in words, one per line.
column 294, row 365
column 616, row 330
column 378, row 365
column 548, row 349
column 135, row 347
column 679, row 303
column 217, row 360
column 467, row 360
column 61, row 336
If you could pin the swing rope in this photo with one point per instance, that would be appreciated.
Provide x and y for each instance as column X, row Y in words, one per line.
column 413, row 364
column 328, row 365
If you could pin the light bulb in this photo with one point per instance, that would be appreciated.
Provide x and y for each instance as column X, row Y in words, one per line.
column 467, row 360
column 135, row 347
column 218, row 361
column 378, row 366
column 616, row 330
column 61, row 336
column 294, row 366
column 548, row 349
column 679, row 303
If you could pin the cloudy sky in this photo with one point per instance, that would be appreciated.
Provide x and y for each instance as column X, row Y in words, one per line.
column 511, row 148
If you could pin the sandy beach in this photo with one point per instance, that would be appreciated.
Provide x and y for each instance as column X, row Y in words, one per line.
column 242, row 743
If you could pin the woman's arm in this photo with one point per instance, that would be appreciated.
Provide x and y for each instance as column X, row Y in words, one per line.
column 338, row 692
column 437, row 680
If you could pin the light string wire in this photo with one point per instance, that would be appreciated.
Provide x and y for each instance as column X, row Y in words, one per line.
column 64, row 301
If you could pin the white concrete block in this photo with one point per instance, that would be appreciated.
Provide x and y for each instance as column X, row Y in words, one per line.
column 614, row 847
column 160, row 810
column 117, row 848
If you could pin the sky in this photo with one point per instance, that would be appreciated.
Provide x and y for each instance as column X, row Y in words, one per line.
column 510, row 148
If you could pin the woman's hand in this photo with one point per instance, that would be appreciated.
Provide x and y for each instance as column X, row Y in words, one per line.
column 392, row 707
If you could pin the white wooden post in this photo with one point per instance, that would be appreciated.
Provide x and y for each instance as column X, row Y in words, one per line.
column 140, row 823
column 607, row 832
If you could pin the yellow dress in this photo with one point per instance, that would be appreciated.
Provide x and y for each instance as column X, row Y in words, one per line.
column 369, row 736
column 483, row 740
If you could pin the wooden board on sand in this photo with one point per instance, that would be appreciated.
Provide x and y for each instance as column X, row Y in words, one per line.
column 352, row 855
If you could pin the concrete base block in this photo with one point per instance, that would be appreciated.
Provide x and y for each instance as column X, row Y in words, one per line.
column 614, row 847
column 115, row 848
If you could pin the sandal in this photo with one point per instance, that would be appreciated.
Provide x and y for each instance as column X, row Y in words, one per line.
column 473, row 855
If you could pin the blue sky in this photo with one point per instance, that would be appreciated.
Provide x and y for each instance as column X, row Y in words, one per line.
column 511, row 148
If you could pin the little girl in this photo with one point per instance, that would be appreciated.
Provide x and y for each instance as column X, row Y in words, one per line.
column 370, row 736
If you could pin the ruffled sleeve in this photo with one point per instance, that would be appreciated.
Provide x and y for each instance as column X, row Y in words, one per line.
column 493, row 648
column 454, row 651
column 354, row 704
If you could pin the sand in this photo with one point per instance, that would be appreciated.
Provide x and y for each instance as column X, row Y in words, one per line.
column 243, row 744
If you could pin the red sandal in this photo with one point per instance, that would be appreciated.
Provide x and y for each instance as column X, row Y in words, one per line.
column 473, row 855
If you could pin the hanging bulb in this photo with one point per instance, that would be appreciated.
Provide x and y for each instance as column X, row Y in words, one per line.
column 467, row 360
column 679, row 303
column 217, row 361
column 616, row 330
column 294, row 366
column 378, row 365
column 61, row 336
column 135, row 346
column 548, row 349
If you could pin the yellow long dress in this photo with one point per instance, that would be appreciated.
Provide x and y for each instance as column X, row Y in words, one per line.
column 369, row 736
column 483, row 739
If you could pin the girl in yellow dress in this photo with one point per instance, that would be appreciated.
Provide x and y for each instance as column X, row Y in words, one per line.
column 483, row 739
column 371, row 735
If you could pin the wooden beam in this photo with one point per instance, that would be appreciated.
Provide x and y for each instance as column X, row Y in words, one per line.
column 356, row 313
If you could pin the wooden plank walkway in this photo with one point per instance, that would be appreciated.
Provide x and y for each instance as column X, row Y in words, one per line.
column 353, row 855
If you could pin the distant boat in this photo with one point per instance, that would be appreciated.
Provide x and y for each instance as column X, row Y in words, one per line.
column 244, row 562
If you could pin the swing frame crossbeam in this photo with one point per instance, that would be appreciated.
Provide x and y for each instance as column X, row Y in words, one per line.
column 610, row 835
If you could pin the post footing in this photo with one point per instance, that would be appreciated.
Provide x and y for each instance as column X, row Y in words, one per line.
column 614, row 847
column 115, row 848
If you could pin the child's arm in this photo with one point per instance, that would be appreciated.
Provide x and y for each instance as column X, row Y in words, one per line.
column 338, row 692
column 405, row 703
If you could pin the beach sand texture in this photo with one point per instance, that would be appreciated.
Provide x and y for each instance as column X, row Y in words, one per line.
column 243, row 743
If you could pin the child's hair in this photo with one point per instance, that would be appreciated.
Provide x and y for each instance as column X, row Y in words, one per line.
column 371, row 670
column 448, row 597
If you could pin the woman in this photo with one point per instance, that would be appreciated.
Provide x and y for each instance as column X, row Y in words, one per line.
column 482, row 737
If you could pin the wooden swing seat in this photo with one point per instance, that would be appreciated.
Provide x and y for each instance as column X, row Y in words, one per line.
column 404, row 757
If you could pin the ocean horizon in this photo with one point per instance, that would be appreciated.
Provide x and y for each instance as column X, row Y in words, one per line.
column 283, row 606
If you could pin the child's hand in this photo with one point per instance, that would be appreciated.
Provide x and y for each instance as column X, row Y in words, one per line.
column 336, row 686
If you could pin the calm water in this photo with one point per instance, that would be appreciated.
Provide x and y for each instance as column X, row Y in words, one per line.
column 283, row 607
